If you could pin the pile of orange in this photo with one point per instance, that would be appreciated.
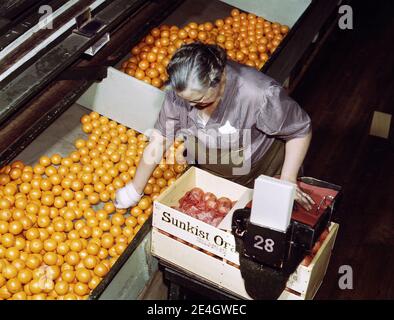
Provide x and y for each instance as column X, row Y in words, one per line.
column 60, row 233
column 247, row 39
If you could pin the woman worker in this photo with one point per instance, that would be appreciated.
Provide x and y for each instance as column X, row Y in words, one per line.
column 237, row 123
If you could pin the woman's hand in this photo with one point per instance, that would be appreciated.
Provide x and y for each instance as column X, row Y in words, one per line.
column 126, row 197
column 296, row 150
column 303, row 199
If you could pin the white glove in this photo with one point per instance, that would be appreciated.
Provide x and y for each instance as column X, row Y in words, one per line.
column 126, row 197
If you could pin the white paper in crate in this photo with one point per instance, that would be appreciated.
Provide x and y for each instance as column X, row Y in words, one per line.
column 272, row 203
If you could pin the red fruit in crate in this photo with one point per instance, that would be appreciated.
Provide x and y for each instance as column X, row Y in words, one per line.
column 307, row 261
column 211, row 204
column 210, row 201
column 183, row 200
column 209, row 196
column 316, row 247
column 196, row 195
column 324, row 235
column 191, row 210
column 224, row 205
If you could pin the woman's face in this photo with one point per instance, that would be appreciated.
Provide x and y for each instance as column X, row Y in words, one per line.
column 199, row 99
column 203, row 99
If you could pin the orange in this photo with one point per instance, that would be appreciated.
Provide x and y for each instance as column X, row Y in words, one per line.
column 107, row 241
column 68, row 276
column 116, row 230
column 92, row 249
column 83, row 275
column 148, row 188
column 19, row 263
column 142, row 218
column 93, row 198
column 59, row 202
column 5, row 203
column 25, row 276
column 131, row 221
column 144, row 203
column 90, row 262
column 15, row 227
column 43, row 221
column 101, row 270
column 5, row 215
column 36, row 246
column 12, row 254
column 117, row 219
column 94, row 282
column 72, row 258
column 85, row 232
column 101, row 215
column 76, row 245
column 61, row 287
column 52, row 272
column 50, row 245
column 128, row 231
column 3, row 227
column 161, row 182
column 81, row 289
column 47, row 199
column 105, row 225
column 14, row 285
column 136, row 211
column 50, row 258
column 92, row 221
column 15, row 173
column 137, row 228
column 20, row 296
column 120, row 248
column 33, row 262
column 9, row 271
column 62, row 249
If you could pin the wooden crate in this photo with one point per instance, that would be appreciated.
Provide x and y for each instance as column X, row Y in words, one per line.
column 307, row 280
column 220, row 272
column 217, row 240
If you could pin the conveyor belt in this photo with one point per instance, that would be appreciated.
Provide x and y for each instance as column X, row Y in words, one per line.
column 17, row 91
column 24, row 126
column 16, row 16
column 13, row 11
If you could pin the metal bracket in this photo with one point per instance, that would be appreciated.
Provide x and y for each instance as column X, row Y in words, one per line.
column 88, row 27
column 98, row 45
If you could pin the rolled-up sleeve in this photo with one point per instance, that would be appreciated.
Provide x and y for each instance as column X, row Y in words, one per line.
column 280, row 116
column 168, row 123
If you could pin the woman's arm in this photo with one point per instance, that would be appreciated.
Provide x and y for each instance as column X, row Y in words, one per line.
column 296, row 150
column 151, row 157
column 129, row 195
column 295, row 153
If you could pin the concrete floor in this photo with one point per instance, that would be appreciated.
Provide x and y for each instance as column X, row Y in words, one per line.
column 347, row 83
column 156, row 289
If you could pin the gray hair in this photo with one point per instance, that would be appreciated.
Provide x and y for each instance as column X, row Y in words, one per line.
column 196, row 66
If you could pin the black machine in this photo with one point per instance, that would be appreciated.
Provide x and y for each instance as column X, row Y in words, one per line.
column 268, row 257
